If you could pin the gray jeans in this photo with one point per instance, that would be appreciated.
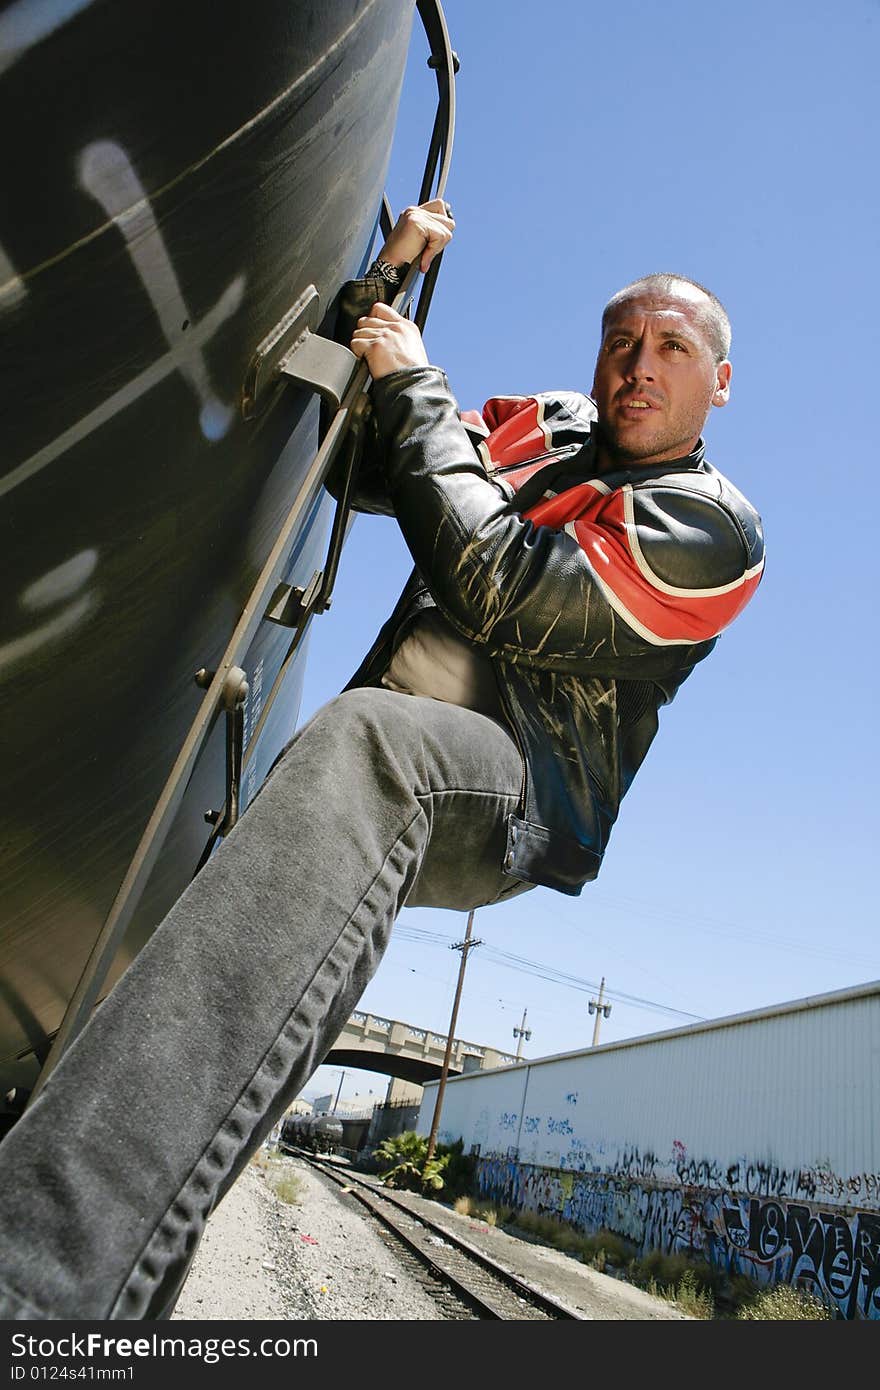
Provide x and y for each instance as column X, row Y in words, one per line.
column 381, row 800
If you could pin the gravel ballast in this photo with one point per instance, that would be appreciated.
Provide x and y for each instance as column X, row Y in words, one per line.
column 321, row 1257
column 265, row 1258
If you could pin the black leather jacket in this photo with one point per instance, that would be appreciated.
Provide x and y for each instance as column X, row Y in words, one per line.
column 591, row 623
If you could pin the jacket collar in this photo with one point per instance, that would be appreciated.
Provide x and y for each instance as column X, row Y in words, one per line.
column 685, row 464
column 583, row 463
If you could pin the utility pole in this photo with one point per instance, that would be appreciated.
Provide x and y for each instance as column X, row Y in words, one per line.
column 463, row 946
column 338, row 1094
column 596, row 1007
column 521, row 1032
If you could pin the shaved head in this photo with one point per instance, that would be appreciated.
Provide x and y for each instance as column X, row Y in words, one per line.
column 666, row 283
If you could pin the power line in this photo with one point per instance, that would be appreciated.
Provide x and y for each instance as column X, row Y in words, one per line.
column 548, row 973
column 555, row 976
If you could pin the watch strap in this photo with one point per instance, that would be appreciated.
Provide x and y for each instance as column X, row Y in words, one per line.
column 392, row 274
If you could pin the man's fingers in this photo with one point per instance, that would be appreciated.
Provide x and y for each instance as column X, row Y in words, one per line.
column 383, row 311
column 382, row 324
column 438, row 236
column 439, row 205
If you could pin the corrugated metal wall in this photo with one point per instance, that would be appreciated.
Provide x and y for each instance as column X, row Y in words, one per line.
column 755, row 1140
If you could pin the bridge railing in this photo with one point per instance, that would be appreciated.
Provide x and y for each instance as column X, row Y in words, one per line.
column 405, row 1032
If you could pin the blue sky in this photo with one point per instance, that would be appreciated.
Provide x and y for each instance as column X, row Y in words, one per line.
column 596, row 143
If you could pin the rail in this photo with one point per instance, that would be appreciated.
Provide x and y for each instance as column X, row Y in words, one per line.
column 489, row 1287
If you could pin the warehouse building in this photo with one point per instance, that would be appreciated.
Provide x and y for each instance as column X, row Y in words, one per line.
column 751, row 1141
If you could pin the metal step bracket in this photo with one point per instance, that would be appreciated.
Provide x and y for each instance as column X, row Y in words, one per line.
column 290, row 604
column 292, row 349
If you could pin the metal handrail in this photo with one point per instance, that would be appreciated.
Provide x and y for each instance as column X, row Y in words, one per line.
column 445, row 63
column 225, row 683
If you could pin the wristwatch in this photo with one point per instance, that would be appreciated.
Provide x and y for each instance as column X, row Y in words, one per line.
column 393, row 275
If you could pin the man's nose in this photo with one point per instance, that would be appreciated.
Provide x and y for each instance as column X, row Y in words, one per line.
column 641, row 366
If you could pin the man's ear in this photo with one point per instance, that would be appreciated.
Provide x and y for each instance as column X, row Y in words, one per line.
column 723, row 374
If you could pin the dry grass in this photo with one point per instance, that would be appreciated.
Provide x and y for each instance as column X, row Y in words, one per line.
column 284, row 1183
column 287, row 1188
column 696, row 1287
column 487, row 1212
column 687, row 1295
column 601, row 1251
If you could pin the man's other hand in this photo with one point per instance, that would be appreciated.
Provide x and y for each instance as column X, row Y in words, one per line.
column 388, row 341
column 419, row 233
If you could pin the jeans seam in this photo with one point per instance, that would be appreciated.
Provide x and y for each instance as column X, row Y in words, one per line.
column 467, row 791
column 195, row 1182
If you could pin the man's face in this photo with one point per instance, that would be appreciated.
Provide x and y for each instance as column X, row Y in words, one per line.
column 656, row 377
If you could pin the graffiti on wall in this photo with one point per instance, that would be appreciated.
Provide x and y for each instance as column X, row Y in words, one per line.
column 755, row 1178
column 829, row 1252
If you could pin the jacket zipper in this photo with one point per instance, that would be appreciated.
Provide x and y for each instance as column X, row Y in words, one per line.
column 500, row 469
column 507, row 468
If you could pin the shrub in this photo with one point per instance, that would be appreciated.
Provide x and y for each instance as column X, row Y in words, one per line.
column 545, row 1227
column 665, row 1270
column 617, row 1251
column 410, row 1169
column 692, row 1299
column 785, row 1304
column 458, row 1174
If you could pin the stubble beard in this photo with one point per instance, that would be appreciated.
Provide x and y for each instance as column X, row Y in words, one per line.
column 672, row 443
column 621, row 453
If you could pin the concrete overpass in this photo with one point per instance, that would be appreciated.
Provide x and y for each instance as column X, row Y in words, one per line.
column 411, row 1054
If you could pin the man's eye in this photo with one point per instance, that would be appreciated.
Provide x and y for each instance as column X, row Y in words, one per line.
column 676, row 347
column 620, row 343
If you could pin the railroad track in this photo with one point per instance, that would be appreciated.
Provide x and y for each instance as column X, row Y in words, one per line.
column 479, row 1285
